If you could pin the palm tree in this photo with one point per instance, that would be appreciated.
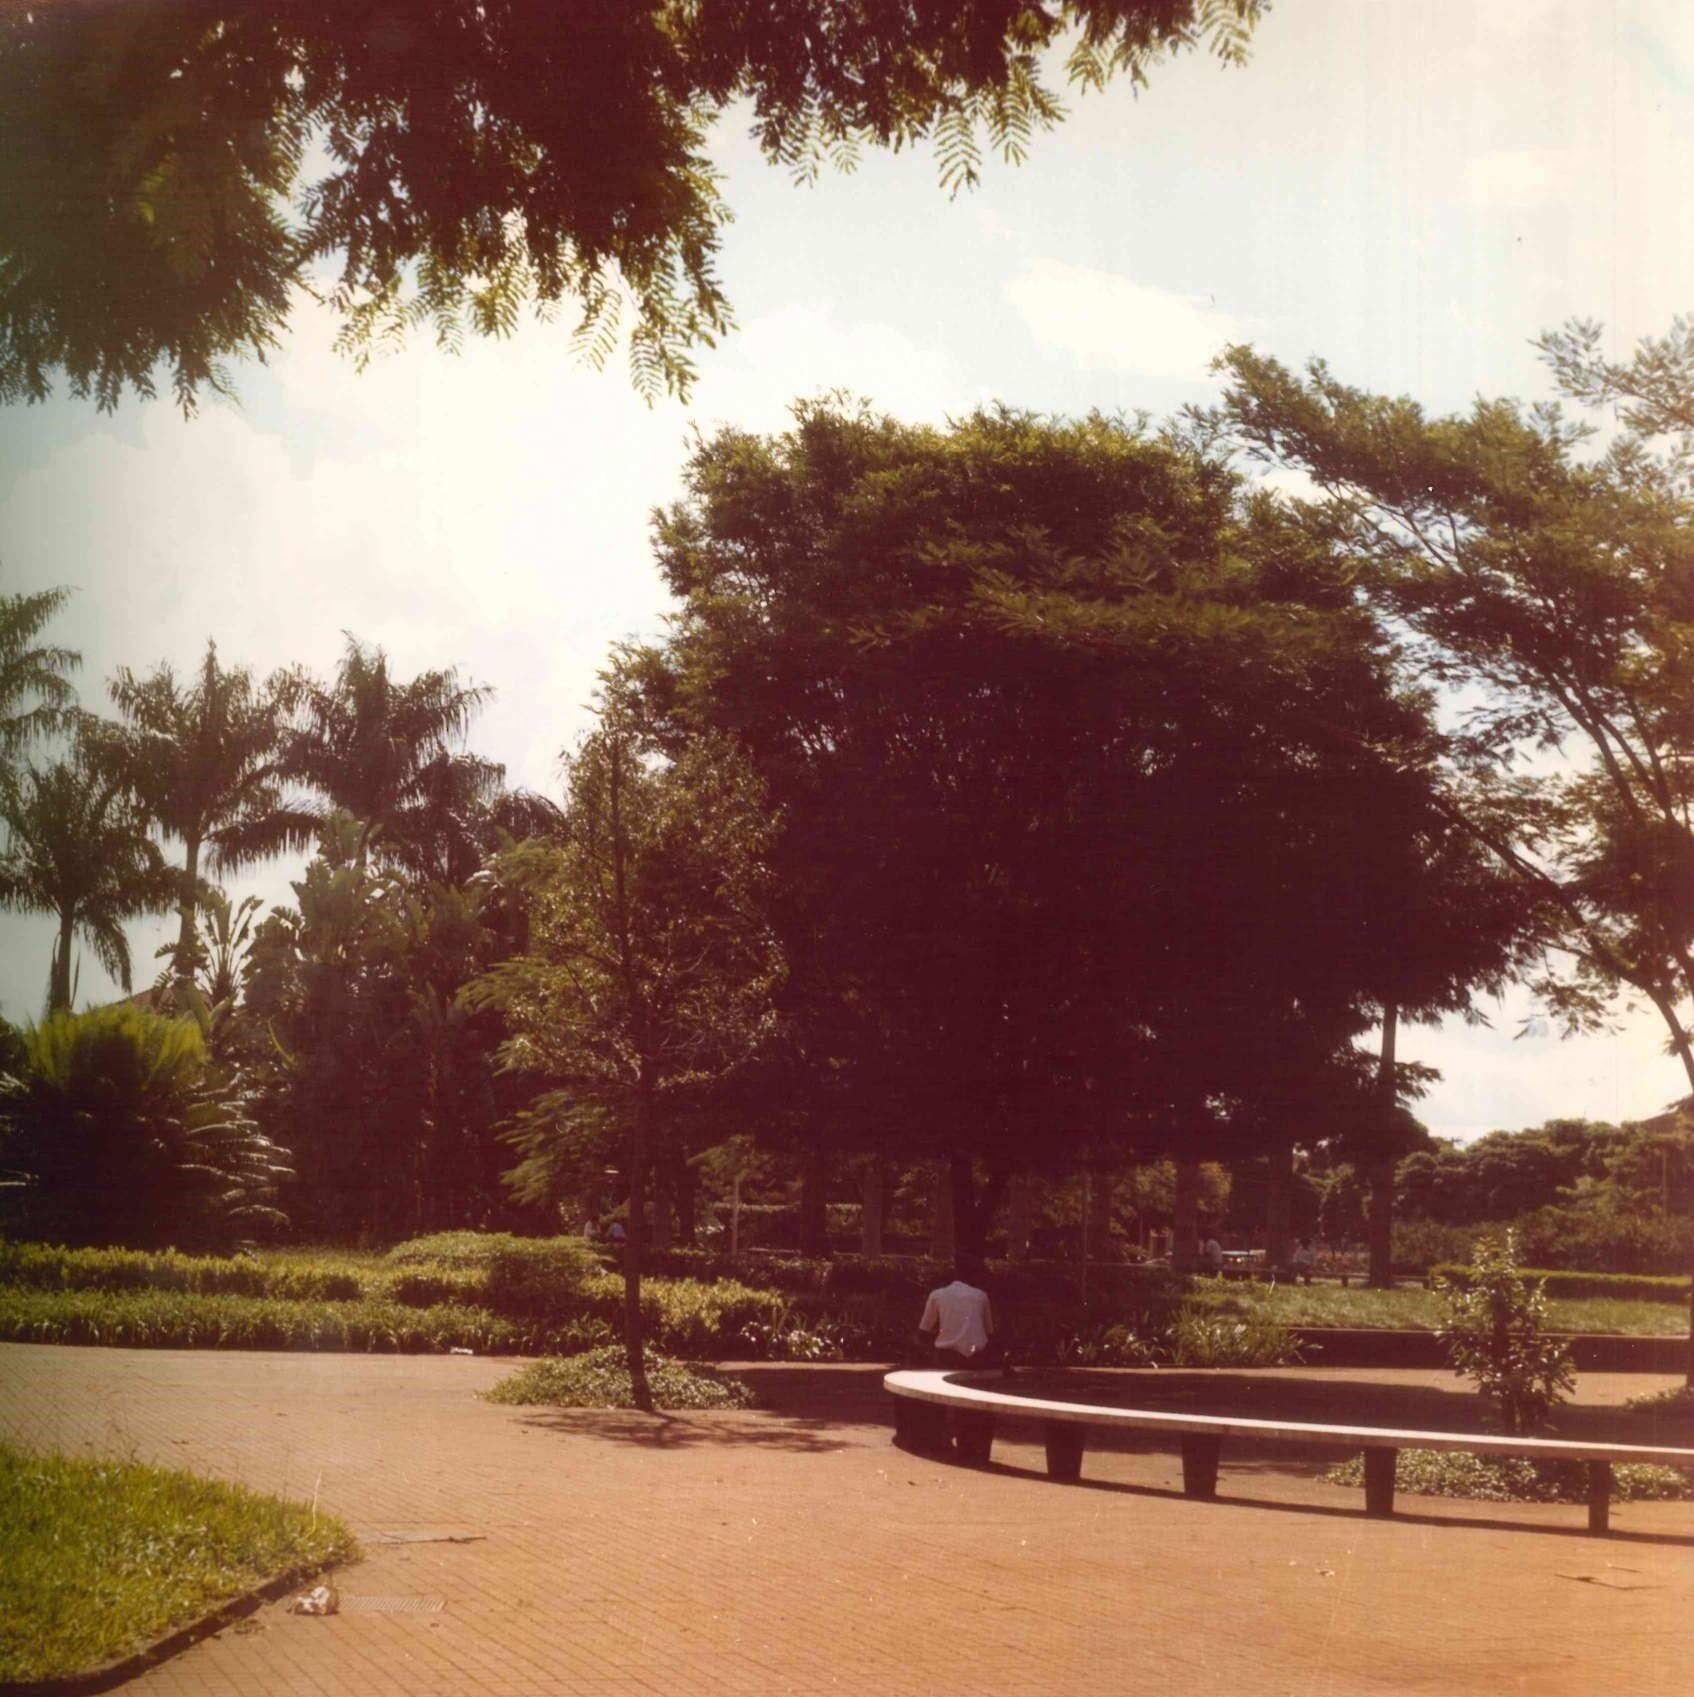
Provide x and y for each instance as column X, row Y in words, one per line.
column 29, row 669
column 386, row 753
column 78, row 847
column 205, row 760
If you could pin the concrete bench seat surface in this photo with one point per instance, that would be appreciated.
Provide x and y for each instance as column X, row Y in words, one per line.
column 925, row 1399
column 964, row 1389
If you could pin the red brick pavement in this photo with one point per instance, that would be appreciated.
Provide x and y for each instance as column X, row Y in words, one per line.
column 796, row 1552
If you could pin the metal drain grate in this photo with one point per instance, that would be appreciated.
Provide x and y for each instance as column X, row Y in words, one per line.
column 393, row 1605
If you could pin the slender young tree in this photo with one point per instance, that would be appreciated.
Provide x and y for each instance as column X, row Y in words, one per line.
column 78, row 848
column 36, row 696
column 650, row 965
column 205, row 760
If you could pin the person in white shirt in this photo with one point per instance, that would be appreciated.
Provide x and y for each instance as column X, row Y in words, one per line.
column 957, row 1327
column 1304, row 1260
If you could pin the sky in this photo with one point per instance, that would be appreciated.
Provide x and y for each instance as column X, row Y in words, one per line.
column 1410, row 189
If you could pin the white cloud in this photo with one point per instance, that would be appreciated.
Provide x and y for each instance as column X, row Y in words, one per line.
column 1110, row 322
column 1525, row 176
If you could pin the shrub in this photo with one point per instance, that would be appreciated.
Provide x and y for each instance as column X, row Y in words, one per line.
column 1679, row 1399
column 1212, row 1340
column 183, row 1320
column 126, row 1132
column 1494, row 1330
column 1513, row 1479
column 600, row 1379
column 45, row 1266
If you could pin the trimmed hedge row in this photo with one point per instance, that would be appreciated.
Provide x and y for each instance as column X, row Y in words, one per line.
column 44, row 1266
column 1635, row 1287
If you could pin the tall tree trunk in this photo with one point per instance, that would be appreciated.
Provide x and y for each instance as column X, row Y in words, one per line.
column 1380, row 1168
column 942, row 1235
column 1020, row 1215
column 664, row 1184
column 1100, row 1213
column 1281, row 1165
column 685, row 1194
column 814, row 1209
column 873, row 1193
column 183, row 960
column 967, row 1226
column 1185, row 1216
column 634, row 1336
column 59, row 973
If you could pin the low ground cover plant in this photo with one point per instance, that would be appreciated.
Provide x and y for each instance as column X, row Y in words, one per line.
column 100, row 1559
column 600, row 1379
column 1513, row 1479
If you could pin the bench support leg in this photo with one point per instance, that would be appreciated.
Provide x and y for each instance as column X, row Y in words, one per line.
column 1379, row 1482
column 1200, row 1464
column 974, row 1436
column 920, row 1426
column 1064, row 1450
column 1599, row 1496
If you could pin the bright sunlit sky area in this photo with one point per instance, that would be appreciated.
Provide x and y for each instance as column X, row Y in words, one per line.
column 1412, row 189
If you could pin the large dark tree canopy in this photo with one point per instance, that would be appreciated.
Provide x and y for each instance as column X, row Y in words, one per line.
column 1069, row 837
column 172, row 170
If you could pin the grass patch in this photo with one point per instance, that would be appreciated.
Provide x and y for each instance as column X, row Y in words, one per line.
column 1513, row 1479
column 99, row 1559
column 1418, row 1310
column 600, row 1379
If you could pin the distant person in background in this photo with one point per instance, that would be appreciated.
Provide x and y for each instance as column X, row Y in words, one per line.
column 1211, row 1255
column 957, row 1328
column 615, row 1233
column 1303, row 1261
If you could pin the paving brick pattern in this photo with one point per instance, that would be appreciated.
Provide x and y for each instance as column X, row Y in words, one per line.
column 796, row 1552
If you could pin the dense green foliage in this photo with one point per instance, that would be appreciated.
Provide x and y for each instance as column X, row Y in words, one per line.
column 102, row 1558
column 1512, row 1479
column 1494, row 1328
column 1008, row 684
column 40, row 1266
column 175, row 173
column 124, row 1133
column 600, row 1379
column 1624, row 1287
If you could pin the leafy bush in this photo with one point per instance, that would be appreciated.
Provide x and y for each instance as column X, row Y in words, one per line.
column 53, row 1267
column 1679, row 1399
column 1514, row 1479
column 126, row 1134
column 1420, row 1245
column 1600, row 1241
column 473, row 1250
column 101, row 1558
column 1494, row 1330
column 1627, row 1287
column 600, row 1379
column 1212, row 1340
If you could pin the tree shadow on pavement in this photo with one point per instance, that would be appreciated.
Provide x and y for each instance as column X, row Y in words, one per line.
column 740, row 1428
column 1339, row 1510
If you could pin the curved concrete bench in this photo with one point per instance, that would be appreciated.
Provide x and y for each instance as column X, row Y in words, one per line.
column 923, row 1399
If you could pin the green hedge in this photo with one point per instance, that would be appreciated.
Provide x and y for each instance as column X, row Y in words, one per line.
column 1636, row 1287
column 42, row 1266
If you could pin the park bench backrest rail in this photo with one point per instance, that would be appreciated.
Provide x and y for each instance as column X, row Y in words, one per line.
column 923, row 1397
